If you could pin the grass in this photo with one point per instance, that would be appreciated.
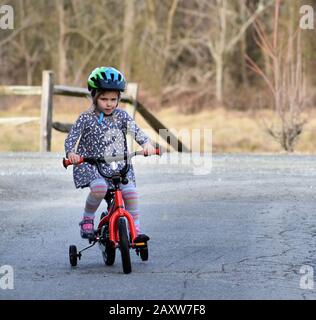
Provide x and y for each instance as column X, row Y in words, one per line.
column 232, row 131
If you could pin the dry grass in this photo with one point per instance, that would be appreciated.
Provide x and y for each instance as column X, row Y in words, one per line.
column 233, row 131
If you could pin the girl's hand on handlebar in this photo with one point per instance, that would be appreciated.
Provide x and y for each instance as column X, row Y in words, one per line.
column 149, row 149
column 73, row 157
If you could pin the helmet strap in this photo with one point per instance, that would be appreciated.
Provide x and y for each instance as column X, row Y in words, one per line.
column 101, row 116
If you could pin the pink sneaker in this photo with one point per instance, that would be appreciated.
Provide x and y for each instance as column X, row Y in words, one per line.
column 86, row 228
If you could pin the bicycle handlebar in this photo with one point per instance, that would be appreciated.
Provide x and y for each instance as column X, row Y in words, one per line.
column 67, row 162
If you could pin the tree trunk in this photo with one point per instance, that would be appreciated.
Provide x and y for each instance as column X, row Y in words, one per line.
column 24, row 48
column 62, row 54
column 243, row 45
column 219, row 78
column 150, row 16
column 128, row 30
column 222, row 11
column 29, row 72
column 168, row 38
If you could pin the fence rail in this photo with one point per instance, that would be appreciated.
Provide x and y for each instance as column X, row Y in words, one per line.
column 49, row 89
column 20, row 90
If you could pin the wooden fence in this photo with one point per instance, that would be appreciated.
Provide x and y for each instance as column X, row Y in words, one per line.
column 49, row 89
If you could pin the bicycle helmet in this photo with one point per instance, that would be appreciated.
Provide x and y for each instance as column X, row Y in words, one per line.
column 106, row 78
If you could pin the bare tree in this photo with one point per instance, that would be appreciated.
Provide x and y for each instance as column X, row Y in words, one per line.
column 158, row 37
column 24, row 45
column 225, row 24
column 27, row 49
column 94, row 42
column 224, row 36
column 91, row 36
column 286, row 81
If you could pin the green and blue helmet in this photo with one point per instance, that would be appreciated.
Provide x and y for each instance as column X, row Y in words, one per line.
column 106, row 78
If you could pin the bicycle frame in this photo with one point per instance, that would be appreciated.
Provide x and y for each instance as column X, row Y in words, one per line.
column 117, row 210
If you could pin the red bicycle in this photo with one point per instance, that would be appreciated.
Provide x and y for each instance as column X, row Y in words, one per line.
column 113, row 232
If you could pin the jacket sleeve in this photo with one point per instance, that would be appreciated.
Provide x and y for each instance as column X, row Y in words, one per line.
column 140, row 137
column 74, row 134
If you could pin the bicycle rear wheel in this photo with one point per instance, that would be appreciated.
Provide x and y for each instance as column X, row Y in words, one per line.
column 124, row 246
column 108, row 251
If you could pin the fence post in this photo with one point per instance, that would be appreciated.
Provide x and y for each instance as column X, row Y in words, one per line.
column 46, row 110
column 131, row 91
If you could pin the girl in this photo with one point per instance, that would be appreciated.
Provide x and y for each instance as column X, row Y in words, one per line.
column 100, row 131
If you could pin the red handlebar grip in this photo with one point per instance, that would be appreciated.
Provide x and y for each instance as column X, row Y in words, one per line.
column 157, row 152
column 67, row 162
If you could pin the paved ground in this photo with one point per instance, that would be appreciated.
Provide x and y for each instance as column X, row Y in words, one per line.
column 245, row 230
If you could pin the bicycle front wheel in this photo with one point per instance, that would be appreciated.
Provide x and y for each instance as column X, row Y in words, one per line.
column 124, row 246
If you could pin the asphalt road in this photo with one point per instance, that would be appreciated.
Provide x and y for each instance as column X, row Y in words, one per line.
column 244, row 229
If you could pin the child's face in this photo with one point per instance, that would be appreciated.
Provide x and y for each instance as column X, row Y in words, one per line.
column 107, row 101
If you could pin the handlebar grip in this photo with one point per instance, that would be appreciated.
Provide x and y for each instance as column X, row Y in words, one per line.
column 157, row 152
column 67, row 162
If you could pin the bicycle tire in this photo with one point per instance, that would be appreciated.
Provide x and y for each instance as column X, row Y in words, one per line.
column 108, row 254
column 73, row 256
column 124, row 246
column 143, row 253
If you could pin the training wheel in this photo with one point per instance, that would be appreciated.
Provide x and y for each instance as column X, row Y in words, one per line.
column 144, row 253
column 73, row 256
